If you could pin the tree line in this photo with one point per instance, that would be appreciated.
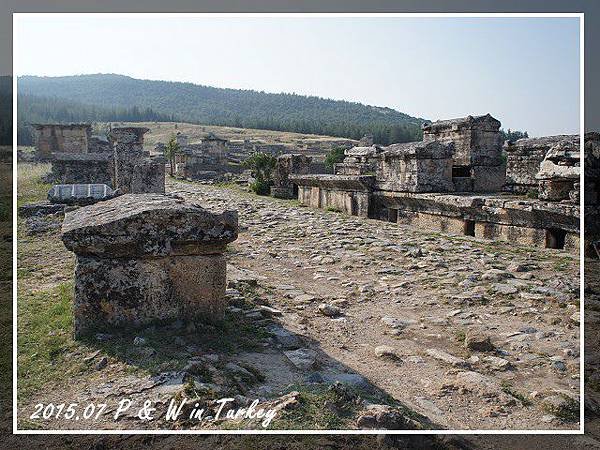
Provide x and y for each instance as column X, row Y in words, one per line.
column 35, row 109
column 233, row 107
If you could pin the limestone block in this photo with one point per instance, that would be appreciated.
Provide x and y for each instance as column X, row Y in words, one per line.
column 488, row 178
column 79, row 194
column 146, row 257
column 113, row 292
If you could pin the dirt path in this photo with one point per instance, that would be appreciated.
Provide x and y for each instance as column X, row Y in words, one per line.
column 431, row 291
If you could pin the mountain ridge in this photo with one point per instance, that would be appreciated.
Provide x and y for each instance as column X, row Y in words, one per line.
column 230, row 107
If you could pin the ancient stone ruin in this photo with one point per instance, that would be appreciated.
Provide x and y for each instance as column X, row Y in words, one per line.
column 523, row 160
column 76, row 156
column 61, row 138
column 453, row 181
column 80, row 194
column 204, row 160
column 559, row 172
column 287, row 165
column 135, row 171
column 147, row 257
column 477, row 158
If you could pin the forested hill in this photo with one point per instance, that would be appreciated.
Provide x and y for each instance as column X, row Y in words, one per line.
column 231, row 107
column 41, row 109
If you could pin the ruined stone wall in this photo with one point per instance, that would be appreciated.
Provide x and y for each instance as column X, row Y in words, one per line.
column 99, row 145
column 287, row 165
column 61, row 138
column 344, row 193
column 531, row 223
column 523, row 160
column 353, row 203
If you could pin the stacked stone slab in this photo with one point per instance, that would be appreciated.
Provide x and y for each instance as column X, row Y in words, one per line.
column 359, row 160
column 559, row 172
column 147, row 257
column 288, row 165
column 135, row 171
column 477, row 157
column 523, row 160
column 76, row 156
column 416, row 167
column 95, row 168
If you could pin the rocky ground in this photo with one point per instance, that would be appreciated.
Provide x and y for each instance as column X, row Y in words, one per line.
column 340, row 322
column 467, row 333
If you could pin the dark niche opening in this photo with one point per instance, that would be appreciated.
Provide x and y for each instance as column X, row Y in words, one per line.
column 555, row 238
column 469, row 228
column 461, row 171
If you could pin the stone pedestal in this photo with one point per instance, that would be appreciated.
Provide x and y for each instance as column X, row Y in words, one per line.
column 135, row 171
column 147, row 257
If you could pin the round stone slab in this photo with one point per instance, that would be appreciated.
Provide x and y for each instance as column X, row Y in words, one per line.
column 147, row 225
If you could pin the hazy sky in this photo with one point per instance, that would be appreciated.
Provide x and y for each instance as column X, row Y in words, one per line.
column 524, row 71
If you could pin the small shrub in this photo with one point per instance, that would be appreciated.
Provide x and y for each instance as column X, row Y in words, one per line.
column 260, row 187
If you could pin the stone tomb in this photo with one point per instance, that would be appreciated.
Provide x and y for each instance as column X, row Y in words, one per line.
column 80, row 194
column 147, row 257
column 523, row 160
column 477, row 158
column 559, row 172
column 135, row 171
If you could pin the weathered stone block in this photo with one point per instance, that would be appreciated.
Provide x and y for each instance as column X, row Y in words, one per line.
column 146, row 257
column 416, row 167
column 135, row 171
column 149, row 176
column 287, row 165
column 71, row 168
column 488, row 178
column 118, row 292
column 79, row 194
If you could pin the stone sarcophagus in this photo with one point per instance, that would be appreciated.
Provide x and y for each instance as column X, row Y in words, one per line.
column 147, row 257
column 416, row 167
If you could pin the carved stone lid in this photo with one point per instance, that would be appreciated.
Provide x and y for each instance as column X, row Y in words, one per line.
column 146, row 225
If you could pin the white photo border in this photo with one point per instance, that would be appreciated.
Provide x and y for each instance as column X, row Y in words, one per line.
column 580, row 16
